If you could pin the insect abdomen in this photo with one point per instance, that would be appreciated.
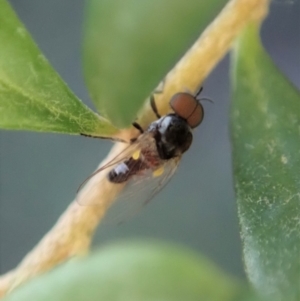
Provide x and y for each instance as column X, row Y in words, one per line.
column 123, row 171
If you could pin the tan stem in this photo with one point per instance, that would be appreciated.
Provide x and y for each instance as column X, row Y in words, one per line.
column 74, row 230
column 190, row 72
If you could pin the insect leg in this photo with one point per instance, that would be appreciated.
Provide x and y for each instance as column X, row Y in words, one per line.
column 108, row 138
column 154, row 107
column 158, row 90
column 137, row 126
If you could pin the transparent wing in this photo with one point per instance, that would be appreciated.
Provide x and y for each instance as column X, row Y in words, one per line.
column 139, row 190
column 131, row 195
column 92, row 184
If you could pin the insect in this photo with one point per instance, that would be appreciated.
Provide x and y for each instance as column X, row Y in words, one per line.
column 151, row 159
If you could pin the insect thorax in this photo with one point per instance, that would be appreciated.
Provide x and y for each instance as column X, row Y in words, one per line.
column 172, row 134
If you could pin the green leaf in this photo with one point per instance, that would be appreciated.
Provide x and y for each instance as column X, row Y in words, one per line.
column 266, row 155
column 135, row 272
column 131, row 45
column 32, row 95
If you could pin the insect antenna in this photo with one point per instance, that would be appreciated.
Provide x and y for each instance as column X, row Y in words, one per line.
column 206, row 99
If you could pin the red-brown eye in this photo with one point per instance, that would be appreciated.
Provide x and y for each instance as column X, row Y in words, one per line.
column 187, row 106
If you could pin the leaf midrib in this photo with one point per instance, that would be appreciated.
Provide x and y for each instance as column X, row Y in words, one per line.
column 42, row 102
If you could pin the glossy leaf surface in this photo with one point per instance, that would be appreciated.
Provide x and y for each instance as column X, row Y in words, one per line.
column 137, row 271
column 130, row 46
column 266, row 156
column 32, row 95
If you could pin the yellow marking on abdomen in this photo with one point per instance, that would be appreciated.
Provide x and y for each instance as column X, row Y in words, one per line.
column 158, row 172
column 136, row 155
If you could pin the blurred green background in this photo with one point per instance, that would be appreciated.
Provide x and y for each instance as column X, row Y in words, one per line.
column 40, row 173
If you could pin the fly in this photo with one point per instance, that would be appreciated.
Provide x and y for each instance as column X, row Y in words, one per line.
column 151, row 159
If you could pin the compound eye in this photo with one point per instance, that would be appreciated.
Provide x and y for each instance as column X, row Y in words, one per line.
column 196, row 117
column 187, row 107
